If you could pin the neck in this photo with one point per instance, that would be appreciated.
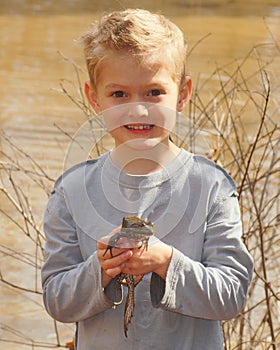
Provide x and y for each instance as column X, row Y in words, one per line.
column 144, row 162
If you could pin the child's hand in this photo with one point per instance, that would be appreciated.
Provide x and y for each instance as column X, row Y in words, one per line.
column 132, row 260
column 112, row 266
column 154, row 259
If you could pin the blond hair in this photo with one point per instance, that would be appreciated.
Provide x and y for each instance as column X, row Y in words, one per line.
column 149, row 37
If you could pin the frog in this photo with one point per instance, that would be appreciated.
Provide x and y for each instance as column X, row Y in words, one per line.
column 139, row 230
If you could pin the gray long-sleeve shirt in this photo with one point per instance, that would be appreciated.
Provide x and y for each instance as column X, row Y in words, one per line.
column 194, row 208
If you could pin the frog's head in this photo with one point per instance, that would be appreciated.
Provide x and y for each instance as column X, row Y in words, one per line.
column 141, row 226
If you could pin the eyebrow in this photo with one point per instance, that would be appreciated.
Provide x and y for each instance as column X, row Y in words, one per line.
column 151, row 85
column 114, row 86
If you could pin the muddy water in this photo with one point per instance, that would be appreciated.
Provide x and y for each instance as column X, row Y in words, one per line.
column 37, row 41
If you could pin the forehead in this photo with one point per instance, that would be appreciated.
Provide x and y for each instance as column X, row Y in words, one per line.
column 124, row 64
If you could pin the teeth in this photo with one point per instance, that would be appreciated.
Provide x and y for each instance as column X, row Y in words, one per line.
column 139, row 127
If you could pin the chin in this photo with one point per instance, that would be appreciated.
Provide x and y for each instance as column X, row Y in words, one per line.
column 143, row 143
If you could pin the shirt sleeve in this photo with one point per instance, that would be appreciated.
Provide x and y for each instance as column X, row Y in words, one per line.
column 215, row 287
column 72, row 288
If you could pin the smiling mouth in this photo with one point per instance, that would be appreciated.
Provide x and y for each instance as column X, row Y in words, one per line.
column 139, row 127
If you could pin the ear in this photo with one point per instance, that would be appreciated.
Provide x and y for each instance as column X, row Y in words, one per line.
column 91, row 96
column 185, row 92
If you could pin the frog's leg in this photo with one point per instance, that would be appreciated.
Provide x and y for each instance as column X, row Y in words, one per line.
column 112, row 243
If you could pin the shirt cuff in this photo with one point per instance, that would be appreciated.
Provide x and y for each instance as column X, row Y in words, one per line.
column 113, row 291
column 163, row 291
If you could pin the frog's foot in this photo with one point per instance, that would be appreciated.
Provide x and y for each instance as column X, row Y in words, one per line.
column 109, row 247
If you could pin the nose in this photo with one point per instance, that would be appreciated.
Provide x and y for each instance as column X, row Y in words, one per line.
column 138, row 110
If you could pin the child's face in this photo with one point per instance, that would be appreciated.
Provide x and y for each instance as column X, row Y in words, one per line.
column 137, row 103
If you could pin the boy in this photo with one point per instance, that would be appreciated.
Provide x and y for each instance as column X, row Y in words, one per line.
column 197, row 270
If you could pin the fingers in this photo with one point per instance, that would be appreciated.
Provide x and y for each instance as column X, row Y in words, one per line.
column 113, row 266
column 106, row 253
column 116, row 248
column 127, row 255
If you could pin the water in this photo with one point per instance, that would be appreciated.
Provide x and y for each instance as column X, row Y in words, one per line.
column 36, row 37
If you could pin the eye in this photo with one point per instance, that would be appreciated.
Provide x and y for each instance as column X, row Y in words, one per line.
column 119, row 94
column 154, row 92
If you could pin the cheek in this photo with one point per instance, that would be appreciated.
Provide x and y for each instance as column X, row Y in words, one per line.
column 114, row 117
column 163, row 117
column 157, row 114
